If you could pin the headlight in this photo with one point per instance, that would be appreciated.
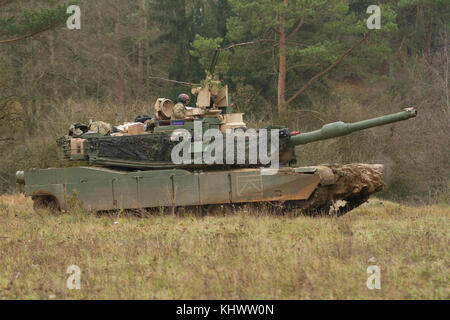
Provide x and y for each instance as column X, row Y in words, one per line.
column 20, row 177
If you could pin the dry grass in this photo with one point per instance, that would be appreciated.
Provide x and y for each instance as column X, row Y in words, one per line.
column 246, row 255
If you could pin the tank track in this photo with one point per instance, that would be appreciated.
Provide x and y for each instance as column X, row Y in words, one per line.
column 341, row 189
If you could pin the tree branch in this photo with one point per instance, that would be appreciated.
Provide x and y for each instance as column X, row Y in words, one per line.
column 28, row 35
column 299, row 25
column 324, row 72
column 5, row 3
column 175, row 81
column 245, row 44
column 275, row 30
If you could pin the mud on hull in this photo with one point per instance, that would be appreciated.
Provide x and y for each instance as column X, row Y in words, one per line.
column 307, row 189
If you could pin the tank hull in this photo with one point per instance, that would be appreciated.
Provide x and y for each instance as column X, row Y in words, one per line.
column 308, row 189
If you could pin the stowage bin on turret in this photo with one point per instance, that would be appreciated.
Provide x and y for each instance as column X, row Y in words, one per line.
column 202, row 156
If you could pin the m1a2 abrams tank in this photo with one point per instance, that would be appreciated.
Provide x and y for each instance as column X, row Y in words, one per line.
column 134, row 168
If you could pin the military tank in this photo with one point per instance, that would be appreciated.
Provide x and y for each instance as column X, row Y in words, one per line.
column 133, row 166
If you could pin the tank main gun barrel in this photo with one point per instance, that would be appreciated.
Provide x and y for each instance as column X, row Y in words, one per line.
column 338, row 129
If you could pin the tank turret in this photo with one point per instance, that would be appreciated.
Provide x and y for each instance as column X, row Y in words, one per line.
column 151, row 148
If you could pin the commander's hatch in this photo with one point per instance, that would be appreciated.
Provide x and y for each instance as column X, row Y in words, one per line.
column 212, row 95
column 221, row 100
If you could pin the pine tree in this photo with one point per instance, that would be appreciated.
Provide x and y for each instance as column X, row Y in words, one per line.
column 298, row 42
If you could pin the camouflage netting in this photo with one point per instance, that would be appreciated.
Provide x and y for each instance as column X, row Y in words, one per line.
column 153, row 147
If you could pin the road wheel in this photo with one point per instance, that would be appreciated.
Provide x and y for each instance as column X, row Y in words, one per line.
column 45, row 203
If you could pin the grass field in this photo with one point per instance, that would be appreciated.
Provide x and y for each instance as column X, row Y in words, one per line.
column 246, row 255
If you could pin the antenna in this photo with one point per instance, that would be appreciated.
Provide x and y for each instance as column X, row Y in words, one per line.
column 214, row 60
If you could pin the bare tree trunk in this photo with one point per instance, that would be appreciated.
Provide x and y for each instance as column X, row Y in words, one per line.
column 429, row 33
column 140, row 62
column 141, row 45
column 446, row 71
column 51, row 48
column 282, row 107
column 117, row 45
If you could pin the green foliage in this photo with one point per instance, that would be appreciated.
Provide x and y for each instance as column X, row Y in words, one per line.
column 419, row 23
column 205, row 48
column 181, row 21
column 32, row 21
column 318, row 33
